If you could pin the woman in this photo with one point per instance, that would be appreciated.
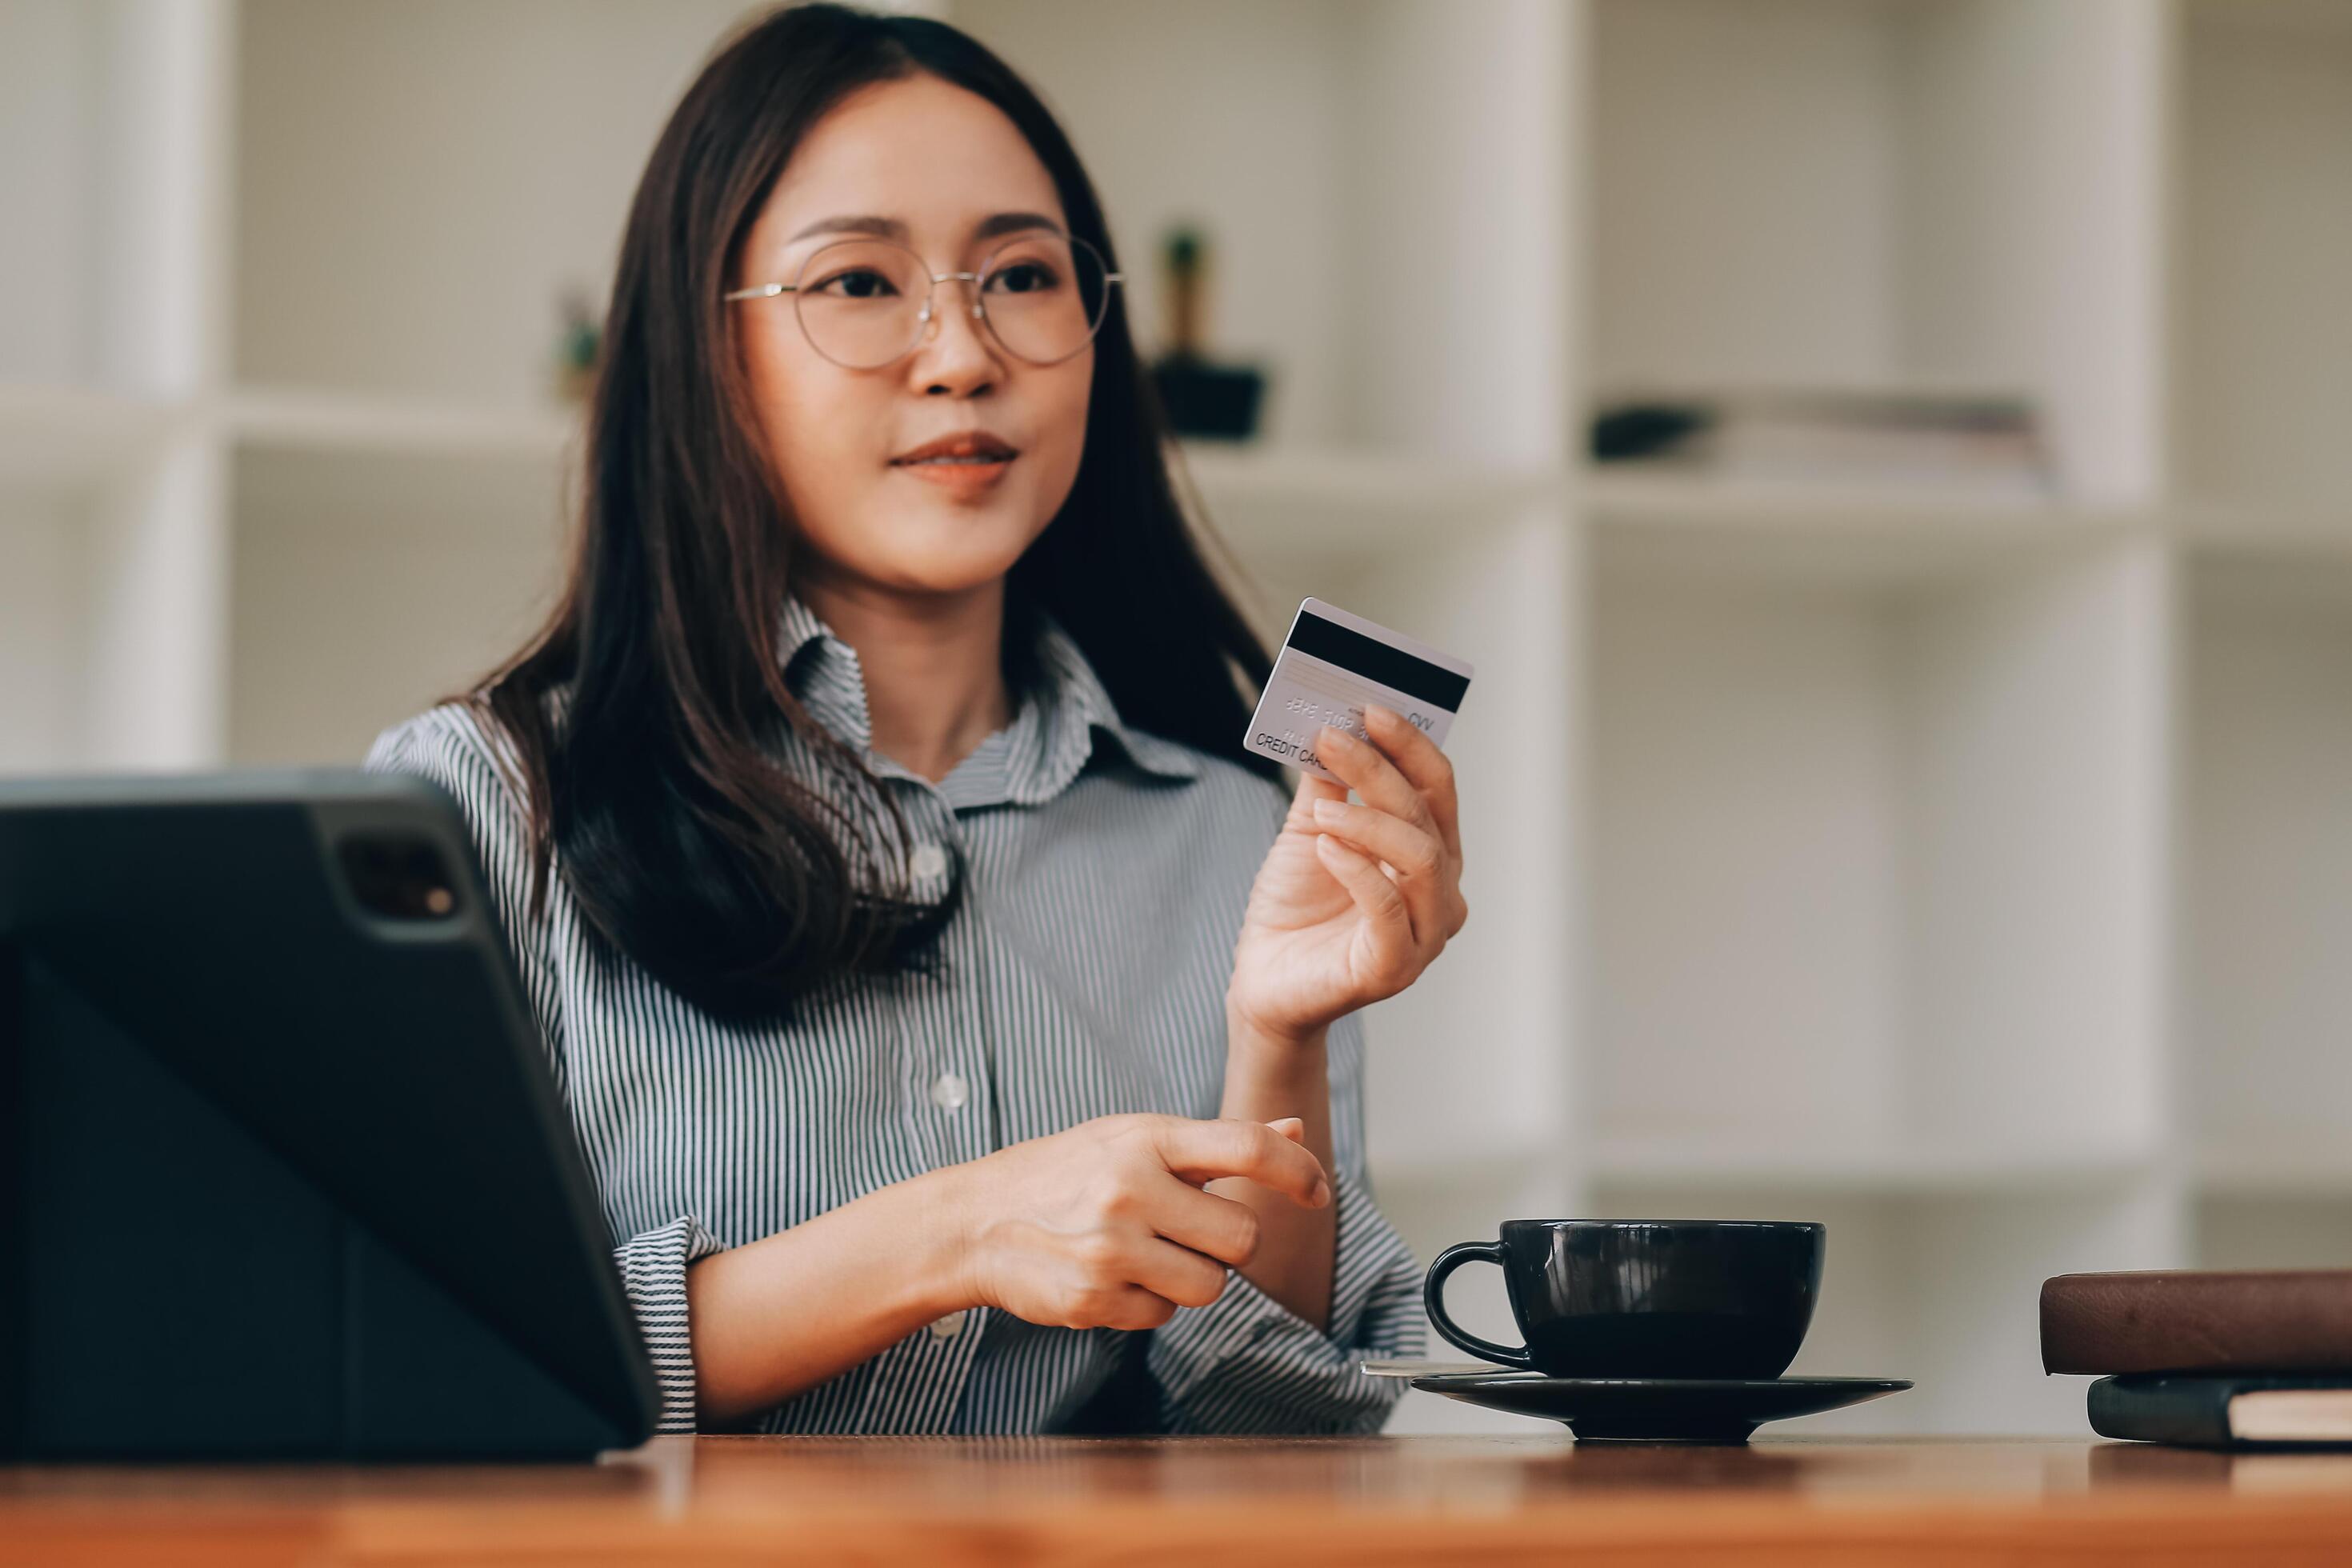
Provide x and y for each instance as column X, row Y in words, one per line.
column 870, row 828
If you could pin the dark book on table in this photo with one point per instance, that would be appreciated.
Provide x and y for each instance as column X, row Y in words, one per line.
column 2186, row 1320
column 2225, row 1412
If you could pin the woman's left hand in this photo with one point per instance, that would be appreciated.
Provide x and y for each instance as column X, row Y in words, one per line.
column 1353, row 902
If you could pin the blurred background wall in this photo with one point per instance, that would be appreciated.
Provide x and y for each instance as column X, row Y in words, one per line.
column 1890, row 459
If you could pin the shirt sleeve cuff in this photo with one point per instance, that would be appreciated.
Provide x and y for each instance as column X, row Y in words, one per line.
column 652, row 1272
column 1246, row 1363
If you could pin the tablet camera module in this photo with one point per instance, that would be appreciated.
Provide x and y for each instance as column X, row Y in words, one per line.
column 398, row 877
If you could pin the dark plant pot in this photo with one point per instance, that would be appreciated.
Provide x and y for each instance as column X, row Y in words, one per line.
column 1206, row 399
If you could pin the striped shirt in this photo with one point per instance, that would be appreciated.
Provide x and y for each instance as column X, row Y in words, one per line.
column 1084, row 974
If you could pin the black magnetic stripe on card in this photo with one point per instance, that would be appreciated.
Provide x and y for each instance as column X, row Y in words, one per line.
column 1375, row 660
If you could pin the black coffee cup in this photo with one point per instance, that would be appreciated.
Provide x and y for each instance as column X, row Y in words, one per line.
column 1652, row 1298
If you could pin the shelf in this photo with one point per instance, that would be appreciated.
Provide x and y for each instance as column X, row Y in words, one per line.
column 56, row 438
column 1318, row 498
column 2298, row 1163
column 1274, row 501
column 1857, row 534
column 325, row 421
column 2317, row 532
column 2317, row 21
column 1924, row 1167
column 1485, row 1170
column 1262, row 500
column 1622, row 494
column 2272, row 1228
column 53, row 438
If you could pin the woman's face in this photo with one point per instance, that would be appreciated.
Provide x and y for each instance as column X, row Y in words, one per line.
column 942, row 163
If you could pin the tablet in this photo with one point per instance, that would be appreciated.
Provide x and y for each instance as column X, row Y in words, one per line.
column 280, row 1138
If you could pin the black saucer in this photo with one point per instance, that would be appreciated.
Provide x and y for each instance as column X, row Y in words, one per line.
column 1658, row 1409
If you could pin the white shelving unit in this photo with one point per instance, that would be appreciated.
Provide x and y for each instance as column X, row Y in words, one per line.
column 1971, row 875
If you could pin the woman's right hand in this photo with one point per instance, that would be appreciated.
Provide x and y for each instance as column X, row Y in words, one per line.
column 1106, row 1224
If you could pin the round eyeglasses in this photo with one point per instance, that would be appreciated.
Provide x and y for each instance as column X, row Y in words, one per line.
column 862, row 303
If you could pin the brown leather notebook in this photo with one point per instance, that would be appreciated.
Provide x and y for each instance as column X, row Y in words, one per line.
column 2297, row 1320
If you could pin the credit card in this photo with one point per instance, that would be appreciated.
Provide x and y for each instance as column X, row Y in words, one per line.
column 1333, row 663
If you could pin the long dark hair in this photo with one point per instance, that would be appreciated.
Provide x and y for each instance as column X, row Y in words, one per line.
column 645, row 715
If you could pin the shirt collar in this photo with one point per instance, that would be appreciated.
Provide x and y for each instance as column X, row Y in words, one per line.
column 1056, row 728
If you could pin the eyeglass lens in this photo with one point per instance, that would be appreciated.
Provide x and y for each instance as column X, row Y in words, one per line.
column 861, row 300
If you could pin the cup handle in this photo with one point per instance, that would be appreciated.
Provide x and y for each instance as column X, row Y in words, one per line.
column 1433, row 1299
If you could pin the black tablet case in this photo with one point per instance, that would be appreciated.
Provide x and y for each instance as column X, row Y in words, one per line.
column 278, row 1178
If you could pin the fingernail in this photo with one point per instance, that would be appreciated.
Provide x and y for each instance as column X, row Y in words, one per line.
column 1322, row 1192
column 1332, row 735
column 1329, row 811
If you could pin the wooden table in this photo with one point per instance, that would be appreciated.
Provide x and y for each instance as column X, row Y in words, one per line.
column 1538, row 1498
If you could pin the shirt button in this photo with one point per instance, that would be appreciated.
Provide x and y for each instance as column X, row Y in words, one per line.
column 928, row 861
column 949, row 1327
column 948, row 1091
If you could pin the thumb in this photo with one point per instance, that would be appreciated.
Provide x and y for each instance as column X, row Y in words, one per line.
column 1291, row 1126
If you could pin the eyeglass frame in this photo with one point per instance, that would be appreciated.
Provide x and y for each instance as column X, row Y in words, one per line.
column 930, row 293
